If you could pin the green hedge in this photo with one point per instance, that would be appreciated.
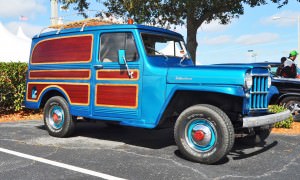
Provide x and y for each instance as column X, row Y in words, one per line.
column 282, row 124
column 12, row 86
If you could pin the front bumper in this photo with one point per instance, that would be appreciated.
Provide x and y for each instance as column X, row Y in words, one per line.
column 249, row 122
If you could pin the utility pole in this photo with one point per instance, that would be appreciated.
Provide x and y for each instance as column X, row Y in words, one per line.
column 54, row 12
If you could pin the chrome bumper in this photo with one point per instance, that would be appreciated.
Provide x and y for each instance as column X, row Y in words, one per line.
column 249, row 122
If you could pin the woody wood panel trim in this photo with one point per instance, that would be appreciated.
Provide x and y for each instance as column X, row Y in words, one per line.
column 82, row 74
column 111, row 74
column 117, row 95
column 63, row 50
column 76, row 93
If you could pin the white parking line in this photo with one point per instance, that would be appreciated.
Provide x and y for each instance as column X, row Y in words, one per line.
column 62, row 165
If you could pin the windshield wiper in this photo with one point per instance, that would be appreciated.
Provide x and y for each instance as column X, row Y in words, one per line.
column 148, row 47
column 184, row 57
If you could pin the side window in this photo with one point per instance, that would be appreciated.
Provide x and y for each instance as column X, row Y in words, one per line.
column 111, row 43
column 130, row 47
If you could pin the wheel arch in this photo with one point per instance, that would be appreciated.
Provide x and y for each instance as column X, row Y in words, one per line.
column 286, row 95
column 51, row 92
column 183, row 99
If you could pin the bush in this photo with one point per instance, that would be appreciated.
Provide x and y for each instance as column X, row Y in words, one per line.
column 282, row 124
column 12, row 86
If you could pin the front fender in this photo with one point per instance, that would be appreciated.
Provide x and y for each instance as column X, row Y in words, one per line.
column 230, row 90
column 173, row 88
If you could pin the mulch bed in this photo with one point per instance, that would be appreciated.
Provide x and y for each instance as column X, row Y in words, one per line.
column 295, row 130
column 21, row 116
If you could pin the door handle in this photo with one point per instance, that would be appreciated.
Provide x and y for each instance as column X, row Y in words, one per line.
column 98, row 66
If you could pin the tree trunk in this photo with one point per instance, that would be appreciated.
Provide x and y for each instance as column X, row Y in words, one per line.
column 192, row 27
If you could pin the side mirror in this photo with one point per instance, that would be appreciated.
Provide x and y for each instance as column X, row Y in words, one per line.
column 122, row 61
column 121, row 56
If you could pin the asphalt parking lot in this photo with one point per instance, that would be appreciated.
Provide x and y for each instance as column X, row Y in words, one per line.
column 97, row 151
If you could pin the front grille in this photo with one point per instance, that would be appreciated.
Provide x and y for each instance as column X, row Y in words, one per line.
column 259, row 93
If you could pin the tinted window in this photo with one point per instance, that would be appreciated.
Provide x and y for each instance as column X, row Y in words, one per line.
column 111, row 43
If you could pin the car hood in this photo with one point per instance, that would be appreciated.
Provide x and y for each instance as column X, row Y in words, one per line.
column 212, row 74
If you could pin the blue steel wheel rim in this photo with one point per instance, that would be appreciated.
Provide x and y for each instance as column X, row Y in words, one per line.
column 205, row 128
column 56, row 117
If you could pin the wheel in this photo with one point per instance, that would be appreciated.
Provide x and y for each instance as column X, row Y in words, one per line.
column 293, row 104
column 57, row 117
column 204, row 133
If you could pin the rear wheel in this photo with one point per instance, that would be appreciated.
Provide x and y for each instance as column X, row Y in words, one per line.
column 57, row 117
column 204, row 133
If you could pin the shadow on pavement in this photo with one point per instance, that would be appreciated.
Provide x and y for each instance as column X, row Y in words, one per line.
column 158, row 138
column 148, row 138
column 239, row 150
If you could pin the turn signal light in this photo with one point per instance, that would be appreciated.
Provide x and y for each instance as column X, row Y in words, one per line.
column 130, row 21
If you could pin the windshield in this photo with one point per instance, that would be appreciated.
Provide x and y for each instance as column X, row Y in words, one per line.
column 158, row 45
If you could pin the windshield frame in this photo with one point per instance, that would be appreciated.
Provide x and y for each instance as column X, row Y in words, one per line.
column 176, row 39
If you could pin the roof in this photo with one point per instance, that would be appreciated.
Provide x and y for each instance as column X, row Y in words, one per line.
column 81, row 26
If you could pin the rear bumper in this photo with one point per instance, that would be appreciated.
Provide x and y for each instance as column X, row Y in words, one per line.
column 249, row 122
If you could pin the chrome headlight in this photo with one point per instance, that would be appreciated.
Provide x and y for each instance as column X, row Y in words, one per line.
column 269, row 81
column 248, row 81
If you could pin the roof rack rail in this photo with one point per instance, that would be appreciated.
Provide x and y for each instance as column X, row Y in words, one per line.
column 83, row 26
column 58, row 31
column 41, row 31
column 78, row 24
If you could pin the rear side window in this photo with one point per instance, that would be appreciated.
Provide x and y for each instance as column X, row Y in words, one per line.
column 111, row 43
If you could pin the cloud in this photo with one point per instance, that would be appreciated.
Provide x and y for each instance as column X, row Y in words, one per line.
column 254, row 39
column 217, row 40
column 282, row 19
column 29, row 29
column 16, row 8
column 213, row 26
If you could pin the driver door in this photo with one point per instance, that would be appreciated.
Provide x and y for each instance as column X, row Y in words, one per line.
column 116, row 93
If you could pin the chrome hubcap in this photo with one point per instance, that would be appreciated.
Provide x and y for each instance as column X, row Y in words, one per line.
column 56, row 117
column 201, row 135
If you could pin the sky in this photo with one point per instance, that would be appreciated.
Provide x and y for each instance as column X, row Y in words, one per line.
column 253, row 37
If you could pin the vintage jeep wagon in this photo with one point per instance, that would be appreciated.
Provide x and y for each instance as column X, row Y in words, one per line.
column 142, row 76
